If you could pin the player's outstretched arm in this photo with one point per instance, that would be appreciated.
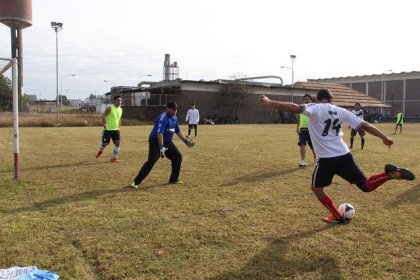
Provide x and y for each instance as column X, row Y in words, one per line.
column 282, row 106
column 376, row 132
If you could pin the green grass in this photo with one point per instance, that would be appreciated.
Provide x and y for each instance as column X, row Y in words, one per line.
column 245, row 212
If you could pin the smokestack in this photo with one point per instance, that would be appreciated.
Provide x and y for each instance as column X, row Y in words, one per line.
column 167, row 68
column 170, row 71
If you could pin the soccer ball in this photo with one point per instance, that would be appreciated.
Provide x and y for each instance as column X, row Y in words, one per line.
column 347, row 210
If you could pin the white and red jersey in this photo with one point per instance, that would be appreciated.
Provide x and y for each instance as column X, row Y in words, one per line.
column 325, row 120
column 360, row 113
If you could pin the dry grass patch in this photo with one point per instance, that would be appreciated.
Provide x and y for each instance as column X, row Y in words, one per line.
column 245, row 212
column 64, row 120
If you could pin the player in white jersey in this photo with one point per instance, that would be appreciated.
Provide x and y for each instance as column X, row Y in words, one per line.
column 193, row 118
column 333, row 154
column 358, row 111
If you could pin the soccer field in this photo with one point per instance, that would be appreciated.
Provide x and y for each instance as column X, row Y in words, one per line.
column 246, row 210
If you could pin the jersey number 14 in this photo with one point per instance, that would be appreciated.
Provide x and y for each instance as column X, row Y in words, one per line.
column 334, row 127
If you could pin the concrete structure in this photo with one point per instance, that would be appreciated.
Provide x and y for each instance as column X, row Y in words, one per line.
column 400, row 90
column 232, row 100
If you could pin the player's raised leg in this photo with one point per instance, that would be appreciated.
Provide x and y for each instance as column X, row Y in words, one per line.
column 106, row 138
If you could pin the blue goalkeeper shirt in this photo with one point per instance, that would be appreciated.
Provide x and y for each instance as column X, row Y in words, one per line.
column 166, row 125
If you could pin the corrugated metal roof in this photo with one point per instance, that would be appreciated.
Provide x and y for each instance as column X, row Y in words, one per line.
column 343, row 95
column 372, row 76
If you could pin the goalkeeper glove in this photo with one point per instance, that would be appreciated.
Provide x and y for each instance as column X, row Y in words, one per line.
column 162, row 151
column 189, row 143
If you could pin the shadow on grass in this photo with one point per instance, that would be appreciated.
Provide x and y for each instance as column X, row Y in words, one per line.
column 39, row 206
column 411, row 196
column 259, row 176
column 42, row 167
column 275, row 262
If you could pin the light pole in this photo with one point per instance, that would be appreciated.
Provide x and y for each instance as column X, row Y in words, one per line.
column 108, row 81
column 61, row 87
column 292, row 57
column 56, row 26
column 142, row 76
column 383, row 88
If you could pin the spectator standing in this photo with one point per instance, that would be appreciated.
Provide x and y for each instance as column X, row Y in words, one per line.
column 193, row 118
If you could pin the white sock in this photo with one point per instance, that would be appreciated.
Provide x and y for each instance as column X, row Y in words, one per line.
column 115, row 152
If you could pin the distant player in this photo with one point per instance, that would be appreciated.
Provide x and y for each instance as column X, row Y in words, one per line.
column 399, row 123
column 303, row 132
column 111, row 120
column 333, row 155
column 161, row 145
column 193, row 118
column 358, row 111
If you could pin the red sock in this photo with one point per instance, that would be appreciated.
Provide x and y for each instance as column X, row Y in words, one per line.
column 329, row 204
column 374, row 181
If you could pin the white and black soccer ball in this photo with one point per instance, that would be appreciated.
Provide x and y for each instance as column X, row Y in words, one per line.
column 347, row 210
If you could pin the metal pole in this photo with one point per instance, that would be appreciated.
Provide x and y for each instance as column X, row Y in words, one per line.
column 293, row 74
column 382, row 92
column 15, row 117
column 404, row 89
column 20, row 67
column 56, row 71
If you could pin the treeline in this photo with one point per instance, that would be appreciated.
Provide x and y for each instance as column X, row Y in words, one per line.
column 6, row 99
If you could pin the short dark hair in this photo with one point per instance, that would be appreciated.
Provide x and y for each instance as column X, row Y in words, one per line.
column 192, row 104
column 172, row 105
column 357, row 103
column 116, row 96
column 307, row 95
column 324, row 95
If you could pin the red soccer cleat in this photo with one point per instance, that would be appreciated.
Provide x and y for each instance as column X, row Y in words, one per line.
column 332, row 220
column 98, row 154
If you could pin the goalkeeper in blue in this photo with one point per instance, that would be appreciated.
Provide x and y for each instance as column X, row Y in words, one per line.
column 161, row 145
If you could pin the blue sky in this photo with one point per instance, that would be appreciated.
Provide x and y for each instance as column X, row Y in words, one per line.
column 121, row 41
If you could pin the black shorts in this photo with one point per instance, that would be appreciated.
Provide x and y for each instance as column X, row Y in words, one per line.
column 107, row 135
column 343, row 166
column 304, row 137
column 361, row 132
column 191, row 126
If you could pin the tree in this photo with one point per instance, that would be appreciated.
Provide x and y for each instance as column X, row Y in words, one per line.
column 6, row 93
column 233, row 94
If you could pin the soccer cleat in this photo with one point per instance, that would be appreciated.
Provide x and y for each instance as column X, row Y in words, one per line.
column 332, row 220
column 98, row 154
column 115, row 160
column 399, row 173
column 302, row 163
column 177, row 182
column 134, row 185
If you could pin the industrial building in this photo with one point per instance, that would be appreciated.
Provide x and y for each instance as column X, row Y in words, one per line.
column 400, row 90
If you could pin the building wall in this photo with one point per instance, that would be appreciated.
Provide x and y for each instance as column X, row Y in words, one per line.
column 213, row 103
column 143, row 113
column 390, row 91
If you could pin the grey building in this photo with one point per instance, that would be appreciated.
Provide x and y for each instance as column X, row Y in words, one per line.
column 230, row 100
column 400, row 90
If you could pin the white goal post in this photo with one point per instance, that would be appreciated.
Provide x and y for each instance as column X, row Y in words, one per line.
column 12, row 62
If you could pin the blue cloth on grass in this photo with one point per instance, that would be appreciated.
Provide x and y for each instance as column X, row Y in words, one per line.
column 39, row 274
